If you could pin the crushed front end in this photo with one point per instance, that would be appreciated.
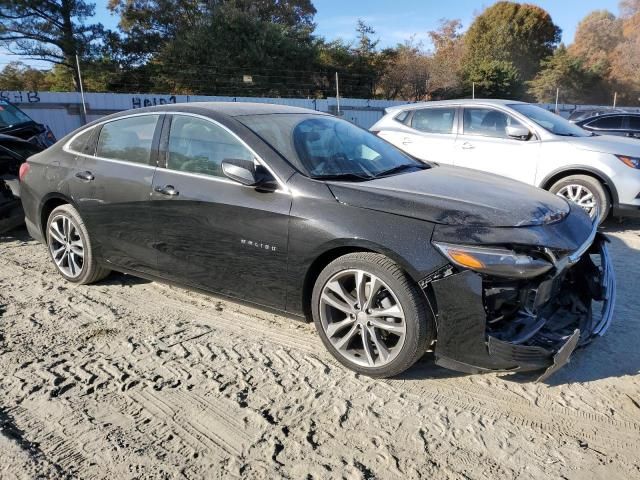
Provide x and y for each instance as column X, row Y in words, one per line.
column 488, row 322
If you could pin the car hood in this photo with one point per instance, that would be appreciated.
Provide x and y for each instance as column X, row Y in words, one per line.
column 455, row 196
column 607, row 144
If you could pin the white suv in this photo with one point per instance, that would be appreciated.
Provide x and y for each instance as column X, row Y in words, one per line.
column 524, row 142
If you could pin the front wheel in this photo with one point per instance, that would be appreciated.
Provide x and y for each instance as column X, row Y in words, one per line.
column 585, row 191
column 370, row 315
column 70, row 247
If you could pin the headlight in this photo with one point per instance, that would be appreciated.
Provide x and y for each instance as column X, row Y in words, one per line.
column 500, row 262
column 633, row 162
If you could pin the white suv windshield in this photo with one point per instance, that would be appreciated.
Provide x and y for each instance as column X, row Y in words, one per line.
column 549, row 121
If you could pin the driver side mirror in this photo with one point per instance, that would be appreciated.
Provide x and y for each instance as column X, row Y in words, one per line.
column 247, row 173
column 519, row 132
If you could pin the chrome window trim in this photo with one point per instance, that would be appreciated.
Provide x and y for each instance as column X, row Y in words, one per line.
column 65, row 147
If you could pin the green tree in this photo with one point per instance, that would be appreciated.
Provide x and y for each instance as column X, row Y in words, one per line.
column 18, row 76
column 567, row 72
column 50, row 30
column 495, row 79
column 520, row 34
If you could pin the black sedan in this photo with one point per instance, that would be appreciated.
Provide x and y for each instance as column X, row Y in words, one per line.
column 621, row 124
column 306, row 214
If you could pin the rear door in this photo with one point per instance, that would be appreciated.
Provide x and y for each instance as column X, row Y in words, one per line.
column 214, row 233
column 111, row 185
column 429, row 134
column 483, row 144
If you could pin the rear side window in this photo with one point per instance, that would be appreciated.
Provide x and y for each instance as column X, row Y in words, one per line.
column 82, row 143
column 433, row 120
column 607, row 123
column 129, row 139
column 200, row 146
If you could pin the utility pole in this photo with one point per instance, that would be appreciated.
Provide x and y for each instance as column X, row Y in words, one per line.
column 615, row 99
column 473, row 90
column 557, row 98
column 337, row 94
column 84, row 104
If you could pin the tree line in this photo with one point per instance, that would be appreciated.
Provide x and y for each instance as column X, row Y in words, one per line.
column 269, row 48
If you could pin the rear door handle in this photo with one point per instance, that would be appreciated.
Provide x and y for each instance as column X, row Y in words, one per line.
column 86, row 176
column 406, row 141
column 467, row 146
column 168, row 190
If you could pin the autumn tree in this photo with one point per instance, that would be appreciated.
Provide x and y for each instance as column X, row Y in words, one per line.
column 51, row 30
column 520, row 34
column 446, row 63
column 596, row 37
column 406, row 73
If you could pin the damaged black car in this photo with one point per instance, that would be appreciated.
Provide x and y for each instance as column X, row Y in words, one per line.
column 308, row 215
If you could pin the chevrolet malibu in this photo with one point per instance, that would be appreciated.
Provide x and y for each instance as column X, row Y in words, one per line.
column 302, row 213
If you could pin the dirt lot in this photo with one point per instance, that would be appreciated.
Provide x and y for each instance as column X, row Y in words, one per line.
column 132, row 379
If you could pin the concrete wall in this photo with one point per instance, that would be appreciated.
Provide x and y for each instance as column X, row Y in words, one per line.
column 62, row 111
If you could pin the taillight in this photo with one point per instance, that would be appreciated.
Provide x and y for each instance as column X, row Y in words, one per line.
column 24, row 169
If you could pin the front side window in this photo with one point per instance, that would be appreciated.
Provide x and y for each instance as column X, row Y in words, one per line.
column 549, row 121
column 433, row 120
column 607, row 123
column 487, row 122
column 200, row 146
column 634, row 123
column 129, row 139
column 321, row 146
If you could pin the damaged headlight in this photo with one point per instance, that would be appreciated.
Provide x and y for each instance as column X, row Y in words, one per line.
column 500, row 262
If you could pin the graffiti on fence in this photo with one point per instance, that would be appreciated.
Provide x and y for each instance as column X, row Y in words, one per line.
column 139, row 102
column 20, row 97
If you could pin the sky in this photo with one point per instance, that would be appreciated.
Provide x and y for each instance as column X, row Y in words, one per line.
column 398, row 20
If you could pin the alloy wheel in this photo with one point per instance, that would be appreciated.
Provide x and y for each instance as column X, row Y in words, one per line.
column 66, row 245
column 580, row 195
column 362, row 318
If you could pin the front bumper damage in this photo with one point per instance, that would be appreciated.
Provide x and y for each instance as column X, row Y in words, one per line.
column 489, row 324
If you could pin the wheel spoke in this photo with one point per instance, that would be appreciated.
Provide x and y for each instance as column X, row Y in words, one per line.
column 374, row 288
column 396, row 328
column 366, row 345
column 383, row 352
column 337, row 288
column 361, row 285
column 55, row 233
column 335, row 327
column 77, row 250
column 335, row 303
column 392, row 311
column 344, row 341
column 65, row 227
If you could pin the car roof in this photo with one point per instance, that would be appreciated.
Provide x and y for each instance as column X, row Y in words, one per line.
column 456, row 102
column 231, row 109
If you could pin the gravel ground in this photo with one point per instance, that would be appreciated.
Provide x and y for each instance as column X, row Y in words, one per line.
column 134, row 379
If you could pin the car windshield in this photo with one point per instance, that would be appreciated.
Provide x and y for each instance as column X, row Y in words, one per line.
column 550, row 121
column 325, row 147
column 11, row 115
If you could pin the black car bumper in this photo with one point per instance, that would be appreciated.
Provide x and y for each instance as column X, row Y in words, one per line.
column 495, row 325
column 629, row 211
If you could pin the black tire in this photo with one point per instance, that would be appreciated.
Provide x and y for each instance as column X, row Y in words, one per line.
column 90, row 272
column 420, row 325
column 591, row 184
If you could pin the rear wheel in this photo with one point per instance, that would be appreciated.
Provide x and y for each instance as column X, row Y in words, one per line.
column 370, row 315
column 70, row 247
column 585, row 191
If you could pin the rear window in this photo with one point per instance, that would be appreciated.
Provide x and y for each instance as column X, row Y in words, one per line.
column 80, row 144
column 634, row 122
column 11, row 115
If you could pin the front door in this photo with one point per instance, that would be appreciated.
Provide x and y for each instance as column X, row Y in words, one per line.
column 214, row 233
column 112, row 190
column 484, row 145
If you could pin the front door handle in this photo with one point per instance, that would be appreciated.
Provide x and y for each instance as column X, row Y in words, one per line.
column 167, row 190
column 86, row 176
column 467, row 146
column 406, row 141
